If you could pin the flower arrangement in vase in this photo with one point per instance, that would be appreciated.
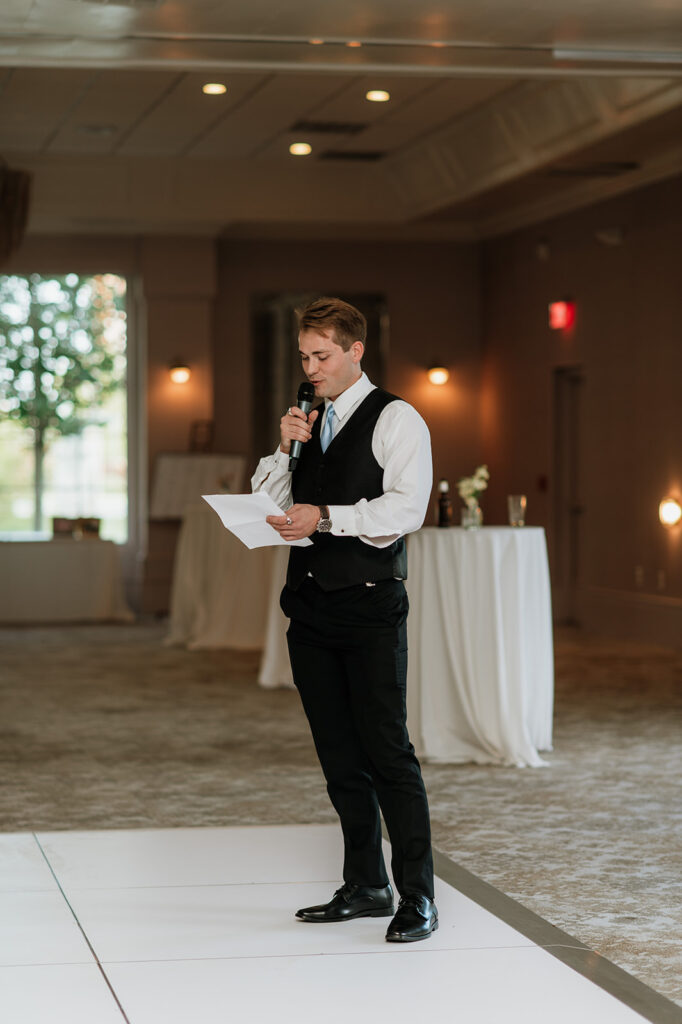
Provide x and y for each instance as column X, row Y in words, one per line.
column 470, row 489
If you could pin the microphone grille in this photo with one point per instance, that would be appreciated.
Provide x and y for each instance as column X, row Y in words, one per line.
column 306, row 392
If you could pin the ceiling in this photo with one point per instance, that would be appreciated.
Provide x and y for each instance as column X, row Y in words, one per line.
column 496, row 119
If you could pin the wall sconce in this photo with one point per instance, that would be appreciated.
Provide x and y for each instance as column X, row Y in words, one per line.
column 670, row 511
column 561, row 315
column 438, row 375
column 179, row 372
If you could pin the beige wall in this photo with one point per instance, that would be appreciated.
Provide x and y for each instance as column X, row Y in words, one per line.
column 456, row 302
column 628, row 340
column 178, row 280
column 433, row 298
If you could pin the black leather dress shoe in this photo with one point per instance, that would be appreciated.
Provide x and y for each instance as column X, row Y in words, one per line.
column 417, row 917
column 351, row 901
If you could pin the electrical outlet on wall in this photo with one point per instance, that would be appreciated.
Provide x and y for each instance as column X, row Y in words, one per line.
column 660, row 579
column 639, row 575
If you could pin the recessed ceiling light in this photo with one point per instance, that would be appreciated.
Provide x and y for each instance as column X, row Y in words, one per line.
column 214, row 88
column 377, row 96
column 300, row 148
column 354, row 42
column 316, row 42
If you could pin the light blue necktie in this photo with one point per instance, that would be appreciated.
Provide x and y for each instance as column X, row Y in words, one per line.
column 328, row 430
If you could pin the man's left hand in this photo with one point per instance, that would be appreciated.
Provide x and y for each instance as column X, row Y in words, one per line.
column 298, row 521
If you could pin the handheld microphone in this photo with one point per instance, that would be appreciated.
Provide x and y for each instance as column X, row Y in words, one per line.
column 306, row 394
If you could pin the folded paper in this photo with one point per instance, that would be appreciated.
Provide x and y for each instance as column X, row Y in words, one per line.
column 244, row 516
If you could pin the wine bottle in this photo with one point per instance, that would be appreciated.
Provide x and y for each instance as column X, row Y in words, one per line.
column 444, row 504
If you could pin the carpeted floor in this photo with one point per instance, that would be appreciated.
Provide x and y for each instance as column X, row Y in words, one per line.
column 103, row 727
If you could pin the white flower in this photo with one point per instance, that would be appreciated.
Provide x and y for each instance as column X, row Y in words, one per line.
column 471, row 487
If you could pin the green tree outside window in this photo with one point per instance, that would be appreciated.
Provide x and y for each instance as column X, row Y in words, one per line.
column 62, row 354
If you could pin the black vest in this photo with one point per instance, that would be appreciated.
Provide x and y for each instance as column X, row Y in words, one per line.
column 343, row 475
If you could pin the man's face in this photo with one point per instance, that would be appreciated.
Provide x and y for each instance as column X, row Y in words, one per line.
column 327, row 365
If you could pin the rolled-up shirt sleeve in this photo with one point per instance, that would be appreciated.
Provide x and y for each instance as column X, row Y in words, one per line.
column 273, row 477
column 402, row 446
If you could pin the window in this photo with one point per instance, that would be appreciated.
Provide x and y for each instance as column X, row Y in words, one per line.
column 63, row 403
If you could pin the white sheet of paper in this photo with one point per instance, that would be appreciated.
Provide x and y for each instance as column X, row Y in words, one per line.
column 244, row 516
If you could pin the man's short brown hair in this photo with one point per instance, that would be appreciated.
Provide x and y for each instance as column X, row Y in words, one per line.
column 324, row 314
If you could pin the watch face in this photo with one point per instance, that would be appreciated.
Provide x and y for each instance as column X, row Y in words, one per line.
column 324, row 524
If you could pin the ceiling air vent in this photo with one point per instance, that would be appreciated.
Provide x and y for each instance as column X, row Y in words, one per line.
column 364, row 156
column 328, row 127
column 603, row 169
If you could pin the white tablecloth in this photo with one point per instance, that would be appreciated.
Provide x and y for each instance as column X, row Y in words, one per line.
column 481, row 673
column 61, row 581
column 221, row 592
column 275, row 669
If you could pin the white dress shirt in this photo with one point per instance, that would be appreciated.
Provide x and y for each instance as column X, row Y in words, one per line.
column 401, row 444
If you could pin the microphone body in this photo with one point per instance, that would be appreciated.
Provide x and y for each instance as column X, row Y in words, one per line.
column 304, row 401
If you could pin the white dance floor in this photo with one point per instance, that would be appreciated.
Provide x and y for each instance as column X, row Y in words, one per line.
column 177, row 925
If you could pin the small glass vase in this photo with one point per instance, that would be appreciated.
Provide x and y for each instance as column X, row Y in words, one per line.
column 472, row 517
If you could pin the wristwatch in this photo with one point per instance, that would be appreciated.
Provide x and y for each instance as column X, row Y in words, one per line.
column 324, row 524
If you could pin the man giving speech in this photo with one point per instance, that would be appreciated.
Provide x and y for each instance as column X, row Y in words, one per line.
column 362, row 481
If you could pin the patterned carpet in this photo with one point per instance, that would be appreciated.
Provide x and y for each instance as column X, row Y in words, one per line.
column 103, row 727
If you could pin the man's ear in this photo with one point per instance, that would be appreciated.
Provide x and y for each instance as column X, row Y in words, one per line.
column 358, row 350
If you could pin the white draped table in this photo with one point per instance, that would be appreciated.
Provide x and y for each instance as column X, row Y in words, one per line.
column 222, row 592
column 480, row 665
column 61, row 581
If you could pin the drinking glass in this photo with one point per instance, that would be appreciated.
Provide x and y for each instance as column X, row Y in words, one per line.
column 516, row 505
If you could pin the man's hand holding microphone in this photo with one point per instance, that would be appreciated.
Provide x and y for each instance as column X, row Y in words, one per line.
column 295, row 430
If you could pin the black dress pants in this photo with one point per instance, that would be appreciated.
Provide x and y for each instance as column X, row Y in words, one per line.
column 348, row 651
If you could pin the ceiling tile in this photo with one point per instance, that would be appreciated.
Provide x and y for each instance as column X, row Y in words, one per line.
column 185, row 115
column 114, row 101
column 34, row 101
column 280, row 102
column 432, row 106
column 350, row 103
column 448, row 99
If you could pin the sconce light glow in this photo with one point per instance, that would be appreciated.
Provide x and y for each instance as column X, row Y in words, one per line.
column 300, row 148
column 670, row 511
column 561, row 315
column 214, row 88
column 378, row 96
column 180, row 373
column 439, row 375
